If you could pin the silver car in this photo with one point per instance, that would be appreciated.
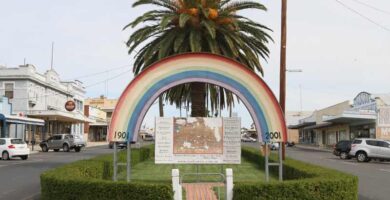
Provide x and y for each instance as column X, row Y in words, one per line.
column 365, row 149
column 61, row 141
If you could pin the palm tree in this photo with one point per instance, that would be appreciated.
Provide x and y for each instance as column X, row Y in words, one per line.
column 180, row 26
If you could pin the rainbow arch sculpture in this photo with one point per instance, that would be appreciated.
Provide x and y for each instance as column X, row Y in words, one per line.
column 145, row 88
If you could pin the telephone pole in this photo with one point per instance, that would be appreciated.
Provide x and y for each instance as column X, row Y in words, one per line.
column 283, row 43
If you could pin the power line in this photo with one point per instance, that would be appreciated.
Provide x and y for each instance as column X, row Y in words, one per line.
column 97, row 73
column 363, row 16
column 99, row 82
column 373, row 7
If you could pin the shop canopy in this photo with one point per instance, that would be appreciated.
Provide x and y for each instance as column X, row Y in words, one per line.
column 352, row 118
column 72, row 117
column 13, row 119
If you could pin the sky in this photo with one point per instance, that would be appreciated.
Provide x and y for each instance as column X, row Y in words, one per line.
column 340, row 52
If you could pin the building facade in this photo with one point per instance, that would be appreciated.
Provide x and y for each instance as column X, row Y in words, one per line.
column 43, row 96
column 96, row 131
column 367, row 117
column 104, row 104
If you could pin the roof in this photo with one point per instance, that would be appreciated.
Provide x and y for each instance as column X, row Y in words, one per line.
column 384, row 97
column 22, row 120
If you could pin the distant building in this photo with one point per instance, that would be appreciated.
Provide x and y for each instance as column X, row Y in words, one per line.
column 368, row 116
column 16, row 126
column 292, row 118
column 43, row 96
column 107, row 105
column 96, row 131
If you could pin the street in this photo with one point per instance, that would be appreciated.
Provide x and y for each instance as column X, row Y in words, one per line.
column 20, row 178
column 374, row 177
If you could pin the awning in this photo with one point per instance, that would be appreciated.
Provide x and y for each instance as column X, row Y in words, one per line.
column 99, row 124
column 322, row 125
column 72, row 117
column 13, row 119
column 298, row 126
column 352, row 118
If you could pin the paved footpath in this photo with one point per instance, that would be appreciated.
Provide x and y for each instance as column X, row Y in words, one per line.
column 201, row 191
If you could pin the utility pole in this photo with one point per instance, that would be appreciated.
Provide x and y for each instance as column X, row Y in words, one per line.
column 283, row 43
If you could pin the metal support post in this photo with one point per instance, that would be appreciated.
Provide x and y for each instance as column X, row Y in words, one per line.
column 114, row 178
column 281, row 161
column 128, row 160
column 266, row 163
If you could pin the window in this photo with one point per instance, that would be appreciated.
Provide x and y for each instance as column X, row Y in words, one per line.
column 372, row 142
column 69, row 137
column 57, row 137
column 2, row 142
column 383, row 144
column 17, row 141
column 9, row 90
column 357, row 141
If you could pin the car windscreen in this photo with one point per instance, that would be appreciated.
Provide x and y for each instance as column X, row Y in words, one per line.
column 357, row 141
column 17, row 141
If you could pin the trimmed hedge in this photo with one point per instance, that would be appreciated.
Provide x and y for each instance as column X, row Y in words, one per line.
column 302, row 181
column 91, row 179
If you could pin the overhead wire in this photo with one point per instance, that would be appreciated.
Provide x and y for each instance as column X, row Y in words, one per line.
column 372, row 7
column 363, row 16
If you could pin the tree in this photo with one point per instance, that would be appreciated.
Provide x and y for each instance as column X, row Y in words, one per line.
column 180, row 26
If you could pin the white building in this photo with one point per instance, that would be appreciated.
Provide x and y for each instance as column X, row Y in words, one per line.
column 43, row 96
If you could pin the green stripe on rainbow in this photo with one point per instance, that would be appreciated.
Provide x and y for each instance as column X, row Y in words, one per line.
column 197, row 67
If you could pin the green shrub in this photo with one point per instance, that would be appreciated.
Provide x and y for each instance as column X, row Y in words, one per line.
column 91, row 179
column 302, row 181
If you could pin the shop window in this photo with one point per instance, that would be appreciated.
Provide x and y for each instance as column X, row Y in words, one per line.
column 9, row 90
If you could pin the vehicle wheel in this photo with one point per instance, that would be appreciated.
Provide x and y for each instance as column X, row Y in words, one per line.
column 344, row 155
column 77, row 149
column 24, row 157
column 44, row 148
column 5, row 155
column 56, row 150
column 65, row 148
column 361, row 157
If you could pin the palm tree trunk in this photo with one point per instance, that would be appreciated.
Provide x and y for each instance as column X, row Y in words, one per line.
column 161, row 106
column 198, row 99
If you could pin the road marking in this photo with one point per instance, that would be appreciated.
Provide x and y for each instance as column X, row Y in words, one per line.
column 385, row 170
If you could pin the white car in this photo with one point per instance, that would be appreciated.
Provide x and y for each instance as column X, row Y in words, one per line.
column 274, row 146
column 13, row 147
column 247, row 139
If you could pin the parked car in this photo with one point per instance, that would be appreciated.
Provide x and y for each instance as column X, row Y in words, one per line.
column 61, row 141
column 13, row 147
column 121, row 145
column 274, row 146
column 247, row 139
column 290, row 144
column 342, row 149
column 79, row 141
column 365, row 149
column 148, row 138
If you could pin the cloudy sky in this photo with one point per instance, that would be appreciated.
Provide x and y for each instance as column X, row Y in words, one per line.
column 341, row 52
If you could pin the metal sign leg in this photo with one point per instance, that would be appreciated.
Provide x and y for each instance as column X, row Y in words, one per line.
column 114, row 178
column 128, row 161
column 281, row 161
column 266, row 163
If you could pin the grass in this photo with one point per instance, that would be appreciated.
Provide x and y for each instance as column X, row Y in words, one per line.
column 219, row 192
column 148, row 171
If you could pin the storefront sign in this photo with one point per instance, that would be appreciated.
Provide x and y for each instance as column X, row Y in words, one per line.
column 198, row 140
column 70, row 105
